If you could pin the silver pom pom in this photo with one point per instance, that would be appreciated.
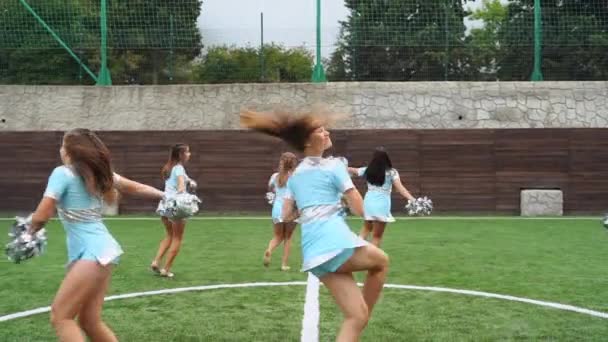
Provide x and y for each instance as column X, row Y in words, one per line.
column 191, row 186
column 181, row 205
column 270, row 196
column 419, row 207
column 23, row 245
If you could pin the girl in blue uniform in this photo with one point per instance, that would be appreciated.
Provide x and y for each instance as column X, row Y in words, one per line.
column 283, row 230
column 76, row 190
column 330, row 250
column 175, row 178
column 381, row 177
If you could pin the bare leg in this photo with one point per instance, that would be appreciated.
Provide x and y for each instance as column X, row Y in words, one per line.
column 378, row 231
column 274, row 242
column 351, row 302
column 90, row 315
column 365, row 230
column 81, row 285
column 373, row 260
column 164, row 244
column 176, row 243
column 289, row 228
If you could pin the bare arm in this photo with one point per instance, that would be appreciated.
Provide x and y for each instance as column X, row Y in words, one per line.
column 354, row 200
column 289, row 211
column 125, row 185
column 271, row 182
column 181, row 184
column 401, row 189
column 44, row 212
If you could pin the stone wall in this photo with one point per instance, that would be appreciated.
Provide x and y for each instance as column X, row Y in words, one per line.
column 370, row 105
column 544, row 202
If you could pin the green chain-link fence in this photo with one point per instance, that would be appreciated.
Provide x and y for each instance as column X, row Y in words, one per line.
column 159, row 42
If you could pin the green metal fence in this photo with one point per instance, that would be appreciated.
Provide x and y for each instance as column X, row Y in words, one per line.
column 107, row 42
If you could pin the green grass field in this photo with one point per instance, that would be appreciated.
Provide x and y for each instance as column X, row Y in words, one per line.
column 563, row 261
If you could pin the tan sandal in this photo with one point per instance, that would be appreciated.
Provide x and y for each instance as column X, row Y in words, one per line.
column 266, row 258
column 166, row 274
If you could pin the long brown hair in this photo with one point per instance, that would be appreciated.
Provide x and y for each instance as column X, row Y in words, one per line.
column 90, row 158
column 292, row 128
column 175, row 156
column 287, row 163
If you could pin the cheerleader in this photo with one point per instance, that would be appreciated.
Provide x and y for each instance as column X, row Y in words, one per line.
column 283, row 230
column 176, row 179
column 381, row 177
column 76, row 190
column 331, row 251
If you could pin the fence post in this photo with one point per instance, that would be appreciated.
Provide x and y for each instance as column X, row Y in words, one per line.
column 318, row 74
column 171, row 48
column 104, row 78
column 537, row 74
column 262, row 61
column 446, row 29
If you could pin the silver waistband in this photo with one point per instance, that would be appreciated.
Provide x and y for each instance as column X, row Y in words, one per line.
column 80, row 215
column 377, row 188
column 319, row 212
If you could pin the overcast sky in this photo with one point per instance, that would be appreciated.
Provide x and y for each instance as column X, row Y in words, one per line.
column 290, row 22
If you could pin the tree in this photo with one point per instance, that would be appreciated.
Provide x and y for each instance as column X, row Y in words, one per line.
column 574, row 39
column 223, row 64
column 484, row 42
column 152, row 40
column 149, row 41
column 337, row 69
column 29, row 54
column 400, row 40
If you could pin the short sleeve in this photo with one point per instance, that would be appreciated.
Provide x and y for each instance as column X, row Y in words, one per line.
column 272, row 178
column 288, row 190
column 342, row 179
column 178, row 170
column 394, row 174
column 116, row 178
column 361, row 171
column 58, row 183
column 343, row 160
